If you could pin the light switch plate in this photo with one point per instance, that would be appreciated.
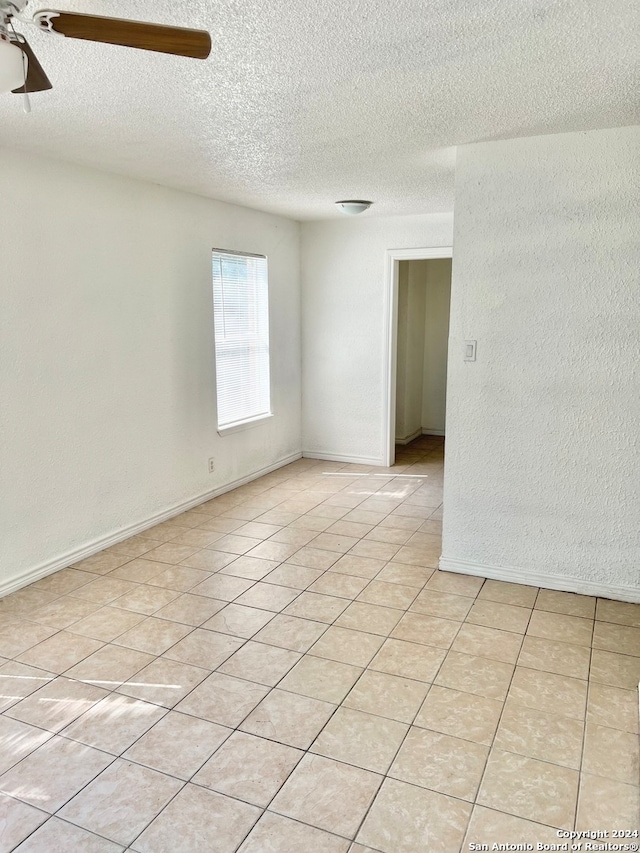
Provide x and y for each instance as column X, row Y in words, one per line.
column 470, row 350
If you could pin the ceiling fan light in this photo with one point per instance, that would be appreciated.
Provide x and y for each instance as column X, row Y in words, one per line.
column 353, row 206
column 12, row 66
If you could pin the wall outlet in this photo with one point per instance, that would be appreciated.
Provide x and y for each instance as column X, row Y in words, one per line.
column 212, row 465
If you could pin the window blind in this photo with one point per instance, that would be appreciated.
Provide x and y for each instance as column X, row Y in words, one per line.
column 241, row 327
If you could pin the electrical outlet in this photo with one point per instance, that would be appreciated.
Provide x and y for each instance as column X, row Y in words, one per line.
column 212, row 465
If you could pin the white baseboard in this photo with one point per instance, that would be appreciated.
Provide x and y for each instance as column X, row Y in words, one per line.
column 564, row 583
column 93, row 547
column 409, row 438
column 339, row 457
column 427, row 431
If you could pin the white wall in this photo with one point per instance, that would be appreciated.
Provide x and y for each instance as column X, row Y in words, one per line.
column 542, row 470
column 343, row 263
column 109, row 411
column 412, row 298
column 436, row 344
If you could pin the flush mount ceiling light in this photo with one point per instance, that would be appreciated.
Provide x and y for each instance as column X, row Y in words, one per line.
column 353, row 206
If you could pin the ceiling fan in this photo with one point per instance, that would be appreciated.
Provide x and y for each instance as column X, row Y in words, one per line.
column 20, row 71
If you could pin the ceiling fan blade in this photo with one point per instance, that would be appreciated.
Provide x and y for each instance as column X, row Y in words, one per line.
column 176, row 40
column 37, row 80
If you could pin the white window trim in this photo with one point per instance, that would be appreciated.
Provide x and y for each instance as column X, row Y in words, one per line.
column 240, row 426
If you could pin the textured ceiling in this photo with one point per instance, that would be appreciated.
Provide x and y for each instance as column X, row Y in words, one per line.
column 301, row 104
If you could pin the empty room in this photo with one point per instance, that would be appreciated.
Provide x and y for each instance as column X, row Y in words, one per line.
column 319, row 456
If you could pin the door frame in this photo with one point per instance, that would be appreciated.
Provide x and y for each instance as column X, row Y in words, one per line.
column 390, row 347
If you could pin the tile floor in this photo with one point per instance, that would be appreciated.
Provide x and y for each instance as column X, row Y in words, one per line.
column 283, row 669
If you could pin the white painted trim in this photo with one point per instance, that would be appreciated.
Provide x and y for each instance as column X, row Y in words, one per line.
column 565, row 583
column 340, row 457
column 427, row 431
column 100, row 544
column 390, row 343
column 409, row 438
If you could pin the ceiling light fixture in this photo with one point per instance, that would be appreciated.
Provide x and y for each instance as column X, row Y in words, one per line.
column 353, row 206
column 12, row 65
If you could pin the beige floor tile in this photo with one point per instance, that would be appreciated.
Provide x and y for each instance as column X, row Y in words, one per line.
column 133, row 546
column 279, row 551
column 209, row 560
column 339, row 585
column 441, row 763
column 419, row 555
column 295, row 577
column 552, row 656
column 620, row 612
column 104, row 590
column 289, row 718
column 488, row 643
column 223, row 587
column 617, row 638
column 17, row 821
column 370, row 618
column 321, row 679
column 408, row 819
column 290, row 632
column 63, row 582
column 146, row 599
column 332, row 542
column 361, row 739
column 359, row 567
column 546, row 691
column 560, row 628
column 110, row 666
column 350, row 528
column 222, row 699
column 462, row 715
column 18, row 636
column 607, row 804
column 267, row 596
column 140, row 570
column 615, row 669
column 179, row 578
column 55, row 705
column 388, row 594
column 260, row 663
column 106, row 624
column 494, row 827
column 568, row 603
column 101, row 563
column 611, row 753
column 347, row 646
column 249, row 768
column 239, row 621
column 163, row 682
column 250, row 568
column 506, row 617
column 327, row 794
column 24, row 602
column 612, row 707
column 114, row 723
column 196, row 537
column 470, row 674
column 53, row 773
column 153, row 635
column 399, row 522
column 408, row 660
column 190, row 609
column 376, row 550
column 204, row 648
column 442, row 604
column 309, row 523
column 121, row 801
column 172, row 552
column 18, row 740
column 455, row 583
column 59, row 652
column 58, row 836
column 400, row 573
column 194, row 818
column 178, row 745
column 537, row 734
column 314, row 558
column 530, row 789
column 430, row 630
column 17, row 680
column 233, row 543
column 320, row 608
column 394, row 536
column 277, row 834
column 508, row 593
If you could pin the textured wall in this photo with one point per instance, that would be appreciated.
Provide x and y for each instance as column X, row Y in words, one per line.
column 412, row 296
column 436, row 343
column 108, row 412
column 343, row 264
column 543, row 464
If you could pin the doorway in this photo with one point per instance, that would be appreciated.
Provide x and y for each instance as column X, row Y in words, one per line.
column 417, row 308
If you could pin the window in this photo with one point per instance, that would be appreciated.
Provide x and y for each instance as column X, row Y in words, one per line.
column 241, row 326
